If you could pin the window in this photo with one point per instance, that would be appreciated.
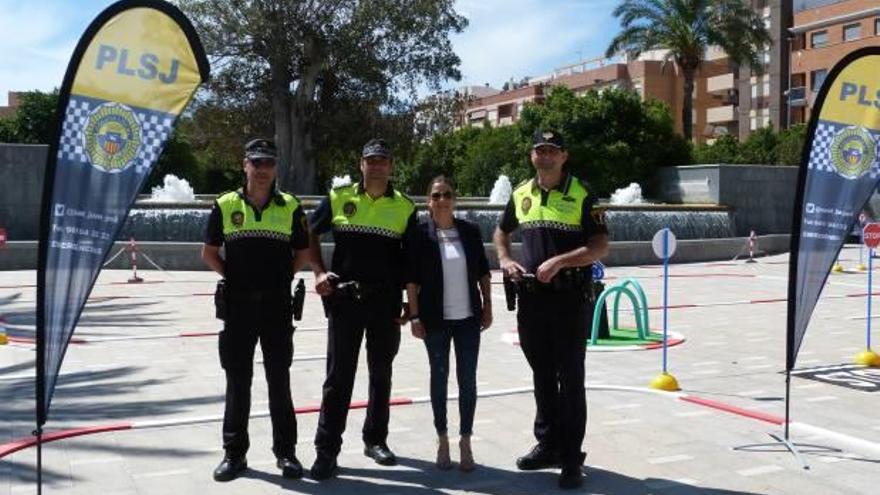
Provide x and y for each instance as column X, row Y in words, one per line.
column 817, row 77
column 877, row 26
column 819, row 39
column 852, row 32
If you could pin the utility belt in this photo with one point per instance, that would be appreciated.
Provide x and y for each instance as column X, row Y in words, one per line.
column 224, row 297
column 356, row 291
column 566, row 280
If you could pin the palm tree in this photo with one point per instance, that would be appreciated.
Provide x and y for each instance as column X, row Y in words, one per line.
column 685, row 29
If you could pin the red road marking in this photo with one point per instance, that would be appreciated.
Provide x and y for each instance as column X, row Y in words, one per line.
column 23, row 443
column 763, row 301
column 198, row 334
column 760, row 416
column 659, row 345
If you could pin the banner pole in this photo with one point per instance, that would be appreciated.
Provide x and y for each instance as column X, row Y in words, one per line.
column 787, row 401
column 665, row 290
column 39, row 434
column 870, row 288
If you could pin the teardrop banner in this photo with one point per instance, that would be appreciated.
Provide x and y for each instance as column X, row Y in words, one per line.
column 838, row 173
column 132, row 73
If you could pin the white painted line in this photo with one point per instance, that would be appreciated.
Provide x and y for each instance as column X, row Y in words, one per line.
column 619, row 407
column 661, row 484
column 822, row 398
column 750, row 393
column 669, row 459
column 755, row 358
column 853, row 444
column 832, row 460
column 159, row 474
column 96, row 460
column 706, row 372
column 757, row 471
column 621, row 422
column 705, row 363
column 691, row 414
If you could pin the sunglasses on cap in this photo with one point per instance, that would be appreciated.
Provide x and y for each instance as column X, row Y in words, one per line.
column 444, row 195
column 262, row 162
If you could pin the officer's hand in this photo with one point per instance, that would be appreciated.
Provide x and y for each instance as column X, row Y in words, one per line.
column 486, row 317
column 548, row 270
column 418, row 329
column 322, row 284
column 512, row 269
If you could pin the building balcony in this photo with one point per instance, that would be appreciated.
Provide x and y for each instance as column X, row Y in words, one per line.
column 714, row 53
column 797, row 96
column 721, row 115
column 721, row 84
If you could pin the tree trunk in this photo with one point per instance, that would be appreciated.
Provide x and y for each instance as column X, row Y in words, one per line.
column 280, row 93
column 301, row 176
column 687, row 110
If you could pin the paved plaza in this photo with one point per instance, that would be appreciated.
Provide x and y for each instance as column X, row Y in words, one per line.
column 142, row 361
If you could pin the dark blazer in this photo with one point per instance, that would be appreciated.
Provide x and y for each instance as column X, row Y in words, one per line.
column 425, row 268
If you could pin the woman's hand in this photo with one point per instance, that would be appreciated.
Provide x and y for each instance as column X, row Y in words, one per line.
column 486, row 317
column 418, row 329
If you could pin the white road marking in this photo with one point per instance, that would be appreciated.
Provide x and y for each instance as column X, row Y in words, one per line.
column 669, row 459
column 756, row 471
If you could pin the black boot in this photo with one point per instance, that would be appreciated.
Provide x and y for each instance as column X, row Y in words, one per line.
column 323, row 468
column 571, row 477
column 540, row 457
column 229, row 468
column 381, row 454
column 290, row 466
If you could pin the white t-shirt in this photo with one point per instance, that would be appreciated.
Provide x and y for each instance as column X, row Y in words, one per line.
column 456, row 296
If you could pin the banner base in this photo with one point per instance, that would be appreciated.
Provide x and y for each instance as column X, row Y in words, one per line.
column 868, row 358
column 665, row 382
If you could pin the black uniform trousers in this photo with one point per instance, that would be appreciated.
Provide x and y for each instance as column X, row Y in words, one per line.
column 553, row 332
column 349, row 320
column 270, row 323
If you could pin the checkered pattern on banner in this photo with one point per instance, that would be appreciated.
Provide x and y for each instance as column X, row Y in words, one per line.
column 155, row 130
column 820, row 153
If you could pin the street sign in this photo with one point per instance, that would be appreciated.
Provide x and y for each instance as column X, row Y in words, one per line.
column 657, row 243
column 871, row 235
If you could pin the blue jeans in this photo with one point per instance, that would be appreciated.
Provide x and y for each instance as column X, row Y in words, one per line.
column 466, row 335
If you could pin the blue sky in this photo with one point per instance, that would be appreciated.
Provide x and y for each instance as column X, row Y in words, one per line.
column 505, row 39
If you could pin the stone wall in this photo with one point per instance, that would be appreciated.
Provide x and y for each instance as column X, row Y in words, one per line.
column 761, row 196
column 22, row 167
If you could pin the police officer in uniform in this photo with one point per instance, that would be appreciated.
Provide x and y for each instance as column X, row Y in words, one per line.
column 265, row 238
column 370, row 222
column 562, row 234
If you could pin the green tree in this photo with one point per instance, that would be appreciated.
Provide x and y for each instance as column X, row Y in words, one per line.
column 613, row 137
column 759, row 148
column 725, row 149
column 177, row 159
column 685, row 29
column 299, row 57
column 34, row 120
column 791, row 145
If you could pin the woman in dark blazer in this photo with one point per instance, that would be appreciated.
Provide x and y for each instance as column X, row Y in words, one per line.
column 450, row 300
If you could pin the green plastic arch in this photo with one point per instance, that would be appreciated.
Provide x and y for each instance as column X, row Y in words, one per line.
column 643, row 303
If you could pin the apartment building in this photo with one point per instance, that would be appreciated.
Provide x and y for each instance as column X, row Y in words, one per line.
column 728, row 99
column 823, row 32
column 14, row 101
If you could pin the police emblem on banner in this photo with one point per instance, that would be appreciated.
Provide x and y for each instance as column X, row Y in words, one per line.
column 237, row 219
column 349, row 209
column 112, row 137
column 526, row 205
column 853, row 151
